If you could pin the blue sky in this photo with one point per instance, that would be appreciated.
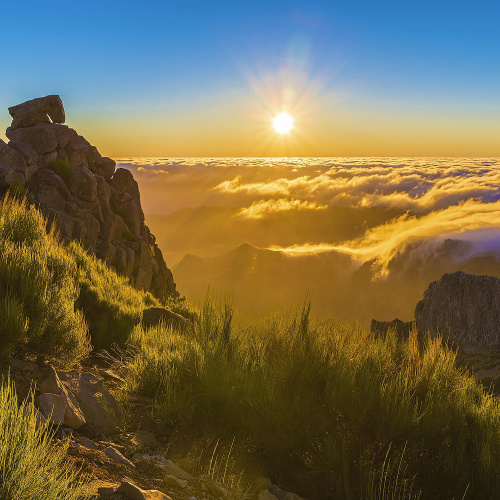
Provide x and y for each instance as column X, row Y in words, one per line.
column 127, row 69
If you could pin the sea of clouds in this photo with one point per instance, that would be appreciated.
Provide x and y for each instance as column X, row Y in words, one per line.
column 439, row 198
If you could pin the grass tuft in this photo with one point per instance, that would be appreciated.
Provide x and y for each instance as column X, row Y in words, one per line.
column 31, row 467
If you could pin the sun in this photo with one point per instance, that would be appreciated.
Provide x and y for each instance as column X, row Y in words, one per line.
column 283, row 123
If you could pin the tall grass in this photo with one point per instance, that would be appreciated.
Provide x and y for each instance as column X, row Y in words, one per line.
column 111, row 306
column 323, row 402
column 31, row 467
column 38, row 287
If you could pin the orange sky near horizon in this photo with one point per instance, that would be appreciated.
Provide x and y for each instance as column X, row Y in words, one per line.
column 324, row 128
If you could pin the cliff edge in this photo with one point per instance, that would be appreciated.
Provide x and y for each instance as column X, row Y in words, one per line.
column 82, row 193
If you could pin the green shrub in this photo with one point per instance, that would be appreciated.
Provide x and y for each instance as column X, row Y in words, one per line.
column 321, row 403
column 38, row 287
column 62, row 168
column 111, row 306
column 31, row 467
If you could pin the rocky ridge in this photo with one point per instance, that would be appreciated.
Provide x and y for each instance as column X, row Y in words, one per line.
column 465, row 306
column 82, row 193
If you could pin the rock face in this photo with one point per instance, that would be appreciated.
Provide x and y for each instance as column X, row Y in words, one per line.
column 466, row 306
column 82, row 193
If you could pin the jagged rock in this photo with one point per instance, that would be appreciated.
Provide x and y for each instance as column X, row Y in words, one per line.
column 123, row 181
column 465, row 306
column 155, row 315
column 97, row 404
column 95, row 203
column 116, row 455
column 133, row 492
column 39, row 110
column 52, row 407
column 49, row 382
column 401, row 328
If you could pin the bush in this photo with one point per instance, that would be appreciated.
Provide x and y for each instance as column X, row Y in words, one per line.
column 31, row 467
column 38, row 287
column 111, row 306
column 62, row 168
column 321, row 403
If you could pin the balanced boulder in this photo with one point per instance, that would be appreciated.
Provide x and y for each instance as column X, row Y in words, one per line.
column 47, row 109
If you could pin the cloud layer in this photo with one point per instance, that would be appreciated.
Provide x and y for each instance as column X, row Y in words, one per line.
column 419, row 185
column 444, row 198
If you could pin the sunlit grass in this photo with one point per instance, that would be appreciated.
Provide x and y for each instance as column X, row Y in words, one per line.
column 323, row 402
column 31, row 466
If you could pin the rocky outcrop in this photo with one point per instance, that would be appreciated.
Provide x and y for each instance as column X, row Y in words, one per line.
column 465, row 306
column 82, row 193
column 402, row 328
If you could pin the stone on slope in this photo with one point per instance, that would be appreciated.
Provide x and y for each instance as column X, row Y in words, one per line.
column 143, row 440
column 97, row 404
column 87, row 443
column 465, row 306
column 116, row 455
column 49, row 382
column 133, row 492
column 39, row 110
column 172, row 469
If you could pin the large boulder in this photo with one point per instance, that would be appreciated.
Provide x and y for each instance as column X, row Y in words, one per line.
column 40, row 110
column 465, row 306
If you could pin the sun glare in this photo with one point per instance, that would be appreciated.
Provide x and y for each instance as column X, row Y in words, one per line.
column 283, row 123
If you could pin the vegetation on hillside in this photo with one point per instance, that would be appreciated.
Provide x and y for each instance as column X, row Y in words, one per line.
column 322, row 407
column 328, row 409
